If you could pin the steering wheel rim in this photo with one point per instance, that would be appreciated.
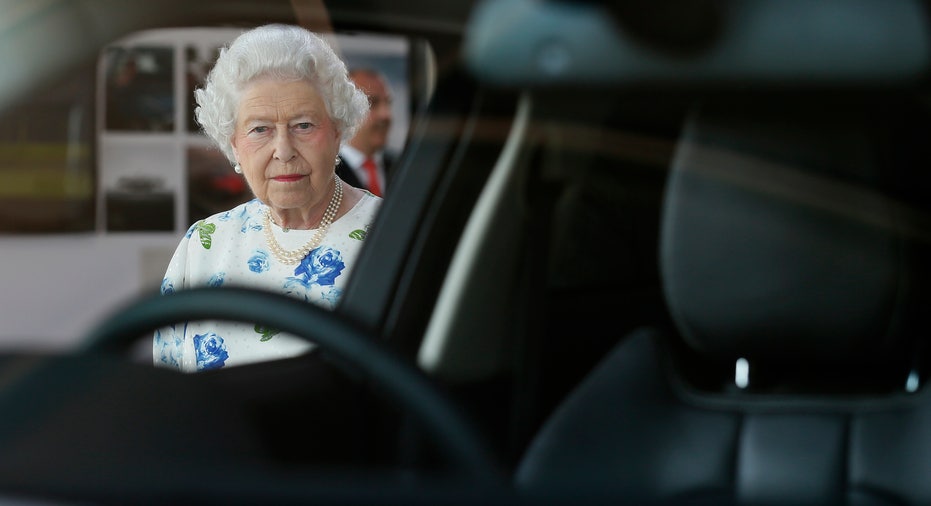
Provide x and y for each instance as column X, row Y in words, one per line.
column 404, row 383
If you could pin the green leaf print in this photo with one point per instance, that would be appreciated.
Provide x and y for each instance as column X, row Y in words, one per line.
column 266, row 332
column 357, row 234
column 204, row 230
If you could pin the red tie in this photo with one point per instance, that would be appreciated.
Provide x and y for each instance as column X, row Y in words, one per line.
column 372, row 172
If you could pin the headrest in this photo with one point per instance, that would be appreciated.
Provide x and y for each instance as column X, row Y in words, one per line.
column 778, row 242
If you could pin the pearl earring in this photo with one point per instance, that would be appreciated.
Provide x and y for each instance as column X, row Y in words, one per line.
column 237, row 169
column 338, row 160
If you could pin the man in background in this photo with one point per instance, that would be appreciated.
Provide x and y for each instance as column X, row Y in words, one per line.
column 363, row 161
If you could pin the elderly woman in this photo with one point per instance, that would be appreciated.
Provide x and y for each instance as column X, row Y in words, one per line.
column 277, row 104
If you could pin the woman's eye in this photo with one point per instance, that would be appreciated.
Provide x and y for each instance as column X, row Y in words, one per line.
column 303, row 126
column 260, row 129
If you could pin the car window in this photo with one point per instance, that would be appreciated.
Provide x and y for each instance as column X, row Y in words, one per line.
column 102, row 172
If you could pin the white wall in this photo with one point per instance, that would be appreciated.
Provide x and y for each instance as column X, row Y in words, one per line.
column 56, row 287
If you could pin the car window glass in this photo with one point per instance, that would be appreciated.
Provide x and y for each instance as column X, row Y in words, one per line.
column 93, row 176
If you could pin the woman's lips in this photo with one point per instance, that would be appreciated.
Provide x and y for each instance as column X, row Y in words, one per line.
column 289, row 178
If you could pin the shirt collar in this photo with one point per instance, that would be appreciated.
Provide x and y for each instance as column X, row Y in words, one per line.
column 354, row 157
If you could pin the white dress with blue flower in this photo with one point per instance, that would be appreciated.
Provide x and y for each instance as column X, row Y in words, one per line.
column 229, row 249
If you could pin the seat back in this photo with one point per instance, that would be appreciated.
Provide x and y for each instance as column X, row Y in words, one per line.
column 791, row 257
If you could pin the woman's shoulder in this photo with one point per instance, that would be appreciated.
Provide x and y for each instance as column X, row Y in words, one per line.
column 359, row 218
column 368, row 205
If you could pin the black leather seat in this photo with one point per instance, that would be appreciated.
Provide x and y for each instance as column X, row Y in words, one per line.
column 792, row 372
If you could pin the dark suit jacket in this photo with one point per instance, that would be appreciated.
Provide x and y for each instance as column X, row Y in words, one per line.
column 347, row 174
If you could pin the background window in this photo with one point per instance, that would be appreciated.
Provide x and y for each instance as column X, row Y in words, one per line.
column 46, row 160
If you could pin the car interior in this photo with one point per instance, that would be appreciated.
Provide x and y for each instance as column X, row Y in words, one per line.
column 648, row 252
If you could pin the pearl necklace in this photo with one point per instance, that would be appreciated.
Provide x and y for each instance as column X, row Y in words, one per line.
column 291, row 257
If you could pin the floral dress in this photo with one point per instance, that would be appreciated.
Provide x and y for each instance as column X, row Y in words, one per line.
column 229, row 249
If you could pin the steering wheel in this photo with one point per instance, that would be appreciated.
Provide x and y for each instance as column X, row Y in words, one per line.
column 405, row 384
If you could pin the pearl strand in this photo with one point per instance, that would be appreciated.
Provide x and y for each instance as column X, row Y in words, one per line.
column 291, row 257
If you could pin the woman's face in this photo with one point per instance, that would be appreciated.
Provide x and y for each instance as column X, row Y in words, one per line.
column 285, row 143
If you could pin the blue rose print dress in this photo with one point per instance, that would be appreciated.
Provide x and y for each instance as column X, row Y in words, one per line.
column 229, row 249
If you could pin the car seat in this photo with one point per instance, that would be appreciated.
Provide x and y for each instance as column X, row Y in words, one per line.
column 791, row 256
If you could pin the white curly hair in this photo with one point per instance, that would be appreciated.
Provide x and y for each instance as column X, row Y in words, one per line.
column 284, row 52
